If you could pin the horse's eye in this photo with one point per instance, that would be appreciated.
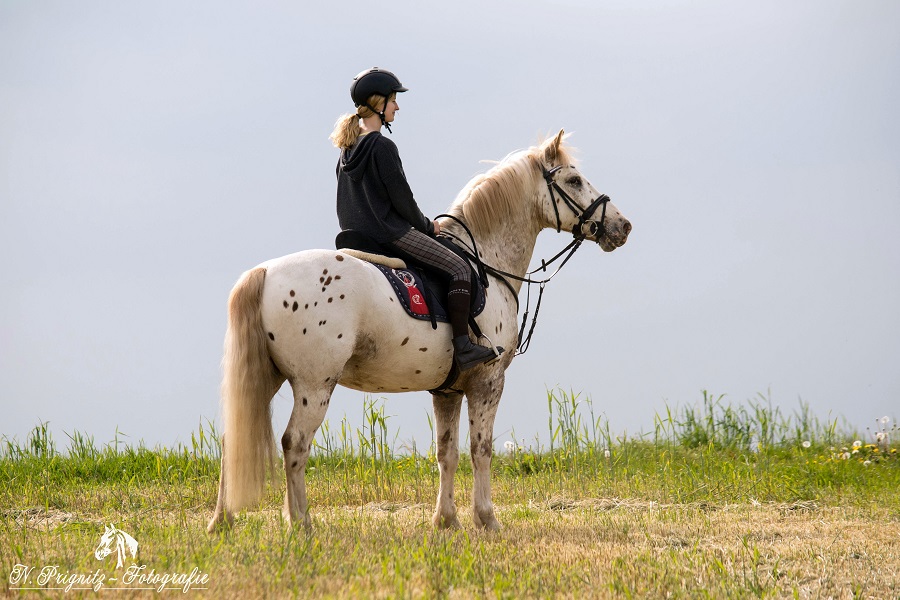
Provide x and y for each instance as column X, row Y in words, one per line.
column 574, row 181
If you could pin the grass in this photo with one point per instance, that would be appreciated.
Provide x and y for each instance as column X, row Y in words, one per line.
column 718, row 501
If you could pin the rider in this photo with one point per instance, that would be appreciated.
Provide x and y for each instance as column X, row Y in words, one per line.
column 374, row 198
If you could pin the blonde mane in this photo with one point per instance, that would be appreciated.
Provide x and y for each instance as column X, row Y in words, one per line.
column 506, row 187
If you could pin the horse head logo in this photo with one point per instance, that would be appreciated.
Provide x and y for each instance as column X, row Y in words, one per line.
column 116, row 540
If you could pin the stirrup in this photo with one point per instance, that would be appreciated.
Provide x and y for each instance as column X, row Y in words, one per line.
column 498, row 350
column 475, row 354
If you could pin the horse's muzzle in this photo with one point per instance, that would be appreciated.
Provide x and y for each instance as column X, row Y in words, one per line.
column 613, row 236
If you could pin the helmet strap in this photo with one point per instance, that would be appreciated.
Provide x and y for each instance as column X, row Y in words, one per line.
column 381, row 115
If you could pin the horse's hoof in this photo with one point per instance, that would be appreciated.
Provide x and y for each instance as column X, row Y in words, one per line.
column 487, row 522
column 297, row 522
column 218, row 523
column 441, row 522
column 491, row 525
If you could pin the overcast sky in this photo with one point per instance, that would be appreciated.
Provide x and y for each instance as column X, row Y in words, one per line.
column 150, row 152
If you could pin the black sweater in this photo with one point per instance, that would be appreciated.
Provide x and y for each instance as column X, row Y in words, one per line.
column 373, row 196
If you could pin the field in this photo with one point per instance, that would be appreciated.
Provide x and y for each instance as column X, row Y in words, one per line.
column 719, row 501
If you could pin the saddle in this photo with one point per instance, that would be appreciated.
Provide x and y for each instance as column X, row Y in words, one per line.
column 420, row 290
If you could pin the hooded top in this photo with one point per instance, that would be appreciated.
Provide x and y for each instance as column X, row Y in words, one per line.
column 373, row 196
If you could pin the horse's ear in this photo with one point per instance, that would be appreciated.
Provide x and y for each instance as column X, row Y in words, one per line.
column 551, row 150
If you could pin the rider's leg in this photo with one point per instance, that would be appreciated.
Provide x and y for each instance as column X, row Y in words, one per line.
column 434, row 255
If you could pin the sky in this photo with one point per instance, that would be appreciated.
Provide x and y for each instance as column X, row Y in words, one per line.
column 150, row 152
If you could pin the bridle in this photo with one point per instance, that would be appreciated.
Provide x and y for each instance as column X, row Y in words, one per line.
column 584, row 215
column 579, row 234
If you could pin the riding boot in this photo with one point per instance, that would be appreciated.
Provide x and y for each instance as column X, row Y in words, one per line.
column 467, row 354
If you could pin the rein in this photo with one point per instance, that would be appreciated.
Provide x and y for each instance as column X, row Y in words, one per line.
column 578, row 233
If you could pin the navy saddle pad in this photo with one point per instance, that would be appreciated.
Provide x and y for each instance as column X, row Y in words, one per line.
column 425, row 296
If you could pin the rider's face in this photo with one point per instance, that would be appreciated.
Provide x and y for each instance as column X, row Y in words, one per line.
column 390, row 109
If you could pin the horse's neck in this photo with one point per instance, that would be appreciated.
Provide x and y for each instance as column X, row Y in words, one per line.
column 510, row 245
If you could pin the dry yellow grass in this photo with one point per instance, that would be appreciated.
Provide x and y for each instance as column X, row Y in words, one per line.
column 567, row 548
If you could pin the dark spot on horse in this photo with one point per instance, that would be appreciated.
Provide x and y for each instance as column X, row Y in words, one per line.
column 392, row 298
column 418, row 371
column 292, row 293
column 287, row 442
column 325, row 272
column 501, row 325
column 285, row 304
column 323, row 289
column 327, row 379
column 471, row 422
column 339, row 258
column 404, row 388
column 271, row 336
column 316, row 303
column 309, row 448
column 403, row 343
column 423, row 349
column 294, row 464
column 337, row 277
column 328, row 281
column 479, row 436
column 487, row 448
column 321, row 279
column 295, row 306
column 342, row 296
column 330, row 299
column 340, row 335
column 304, row 331
column 306, row 306
column 305, row 401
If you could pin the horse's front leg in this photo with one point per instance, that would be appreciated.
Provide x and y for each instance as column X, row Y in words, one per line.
column 483, row 399
column 446, row 420
column 306, row 417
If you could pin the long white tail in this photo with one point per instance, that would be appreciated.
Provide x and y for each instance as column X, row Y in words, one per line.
column 250, row 381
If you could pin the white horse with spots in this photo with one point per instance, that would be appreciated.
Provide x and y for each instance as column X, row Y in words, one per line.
column 320, row 318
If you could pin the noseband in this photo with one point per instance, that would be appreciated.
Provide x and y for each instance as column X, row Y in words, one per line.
column 585, row 226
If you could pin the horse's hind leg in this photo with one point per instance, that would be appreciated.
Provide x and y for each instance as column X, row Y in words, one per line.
column 483, row 399
column 306, row 417
column 446, row 420
column 221, row 516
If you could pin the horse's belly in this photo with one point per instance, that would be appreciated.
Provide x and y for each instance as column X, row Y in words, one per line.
column 405, row 358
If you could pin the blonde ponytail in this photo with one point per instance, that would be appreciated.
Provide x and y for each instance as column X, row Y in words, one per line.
column 346, row 130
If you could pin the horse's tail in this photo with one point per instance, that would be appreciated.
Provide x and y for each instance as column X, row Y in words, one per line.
column 249, row 382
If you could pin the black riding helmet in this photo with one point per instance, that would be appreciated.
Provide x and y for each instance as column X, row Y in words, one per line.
column 374, row 81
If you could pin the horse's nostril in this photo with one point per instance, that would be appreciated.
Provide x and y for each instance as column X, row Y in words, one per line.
column 627, row 227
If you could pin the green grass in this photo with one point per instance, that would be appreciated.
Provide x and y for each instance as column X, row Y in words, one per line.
column 719, row 500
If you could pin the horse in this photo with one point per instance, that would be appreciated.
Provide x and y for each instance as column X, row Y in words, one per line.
column 116, row 540
column 319, row 318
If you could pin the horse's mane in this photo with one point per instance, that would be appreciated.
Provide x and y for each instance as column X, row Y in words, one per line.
column 490, row 197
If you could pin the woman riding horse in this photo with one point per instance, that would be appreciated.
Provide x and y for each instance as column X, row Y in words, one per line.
column 374, row 198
